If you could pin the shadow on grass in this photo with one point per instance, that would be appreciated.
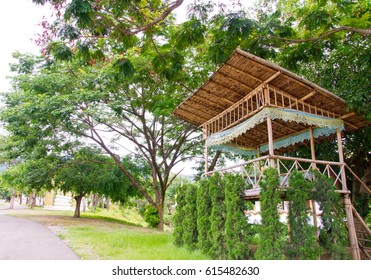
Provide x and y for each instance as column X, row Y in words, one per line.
column 108, row 219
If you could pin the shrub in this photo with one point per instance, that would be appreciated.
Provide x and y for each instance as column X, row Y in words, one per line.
column 190, row 218
column 333, row 234
column 151, row 216
column 179, row 216
column 218, row 249
column 238, row 234
column 302, row 233
column 271, row 241
column 204, row 208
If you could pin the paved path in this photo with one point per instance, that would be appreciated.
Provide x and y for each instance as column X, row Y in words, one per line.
column 22, row 239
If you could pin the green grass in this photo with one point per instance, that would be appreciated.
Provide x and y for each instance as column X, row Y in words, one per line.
column 108, row 219
column 128, row 215
column 92, row 243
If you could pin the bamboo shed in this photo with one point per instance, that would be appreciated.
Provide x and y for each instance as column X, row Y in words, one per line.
column 253, row 107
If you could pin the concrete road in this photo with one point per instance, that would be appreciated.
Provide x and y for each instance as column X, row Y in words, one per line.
column 22, row 239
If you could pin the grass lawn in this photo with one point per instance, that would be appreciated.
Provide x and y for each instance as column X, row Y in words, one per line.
column 110, row 235
column 93, row 243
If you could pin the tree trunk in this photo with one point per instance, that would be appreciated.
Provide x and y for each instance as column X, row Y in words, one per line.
column 12, row 199
column 108, row 203
column 84, row 205
column 160, row 210
column 20, row 199
column 95, row 202
column 78, row 199
column 34, row 199
column 214, row 161
column 103, row 199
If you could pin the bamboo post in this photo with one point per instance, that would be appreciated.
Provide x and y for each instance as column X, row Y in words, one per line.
column 341, row 160
column 312, row 148
column 352, row 235
column 266, row 96
column 354, row 248
column 206, row 159
column 314, row 166
column 270, row 141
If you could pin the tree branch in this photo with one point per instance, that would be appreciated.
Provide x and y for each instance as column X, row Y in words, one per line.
column 365, row 32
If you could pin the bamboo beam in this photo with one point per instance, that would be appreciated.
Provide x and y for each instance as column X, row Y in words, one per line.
column 270, row 140
column 347, row 115
column 235, row 80
column 271, row 78
column 210, row 94
column 351, row 125
column 242, row 73
column 307, row 96
column 183, row 114
column 237, row 95
column 361, row 221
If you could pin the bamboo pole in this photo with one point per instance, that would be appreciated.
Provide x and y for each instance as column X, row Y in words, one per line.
column 352, row 235
column 206, row 160
column 351, row 229
column 341, row 159
column 270, row 141
column 312, row 148
column 314, row 166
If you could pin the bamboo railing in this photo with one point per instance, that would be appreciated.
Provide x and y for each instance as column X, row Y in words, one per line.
column 252, row 170
column 261, row 97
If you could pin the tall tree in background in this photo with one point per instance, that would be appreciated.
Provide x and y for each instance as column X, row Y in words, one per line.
column 67, row 99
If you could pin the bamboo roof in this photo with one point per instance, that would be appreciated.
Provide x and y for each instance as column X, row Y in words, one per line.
column 242, row 74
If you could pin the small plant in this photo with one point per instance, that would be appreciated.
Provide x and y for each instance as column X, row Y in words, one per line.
column 151, row 216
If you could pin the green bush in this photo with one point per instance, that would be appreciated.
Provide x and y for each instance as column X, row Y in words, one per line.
column 179, row 216
column 238, row 233
column 151, row 216
column 302, row 234
column 272, row 231
column 333, row 233
column 203, row 216
column 190, row 218
column 218, row 249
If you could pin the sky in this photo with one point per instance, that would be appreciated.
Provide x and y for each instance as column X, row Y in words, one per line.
column 19, row 21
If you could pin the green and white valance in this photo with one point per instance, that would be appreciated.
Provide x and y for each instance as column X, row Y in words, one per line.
column 324, row 127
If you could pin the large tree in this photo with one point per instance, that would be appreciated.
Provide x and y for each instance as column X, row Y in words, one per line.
column 87, row 171
column 110, row 104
